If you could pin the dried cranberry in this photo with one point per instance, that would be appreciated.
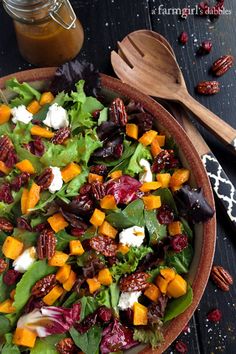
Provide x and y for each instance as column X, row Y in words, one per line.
column 33, row 304
column 100, row 170
column 96, row 114
column 5, row 194
column 85, row 189
column 23, row 224
column 181, row 347
column 206, row 47
column 165, row 215
column 179, row 242
column 19, row 181
column 186, row 329
column 183, row 38
column 40, row 227
column 118, row 151
column 165, row 160
column 11, row 277
column 214, row 315
column 104, row 314
column 87, row 323
column 77, row 231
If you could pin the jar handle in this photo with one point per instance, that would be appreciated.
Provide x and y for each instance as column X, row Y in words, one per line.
column 57, row 18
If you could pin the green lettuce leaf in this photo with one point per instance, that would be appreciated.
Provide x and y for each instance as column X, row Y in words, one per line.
column 88, row 144
column 89, row 341
column 9, row 347
column 23, row 154
column 141, row 152
column 4, row 291
column 47, row 345
column 27, row 237
column 74, row 185
column 26, row 93
column 21, row 133
column 180, row 261
column 63, row 239
column 5, row 129
column 5, row 325
column 6, row 209
column 109, row 296
column 177, row 306
column 103, row 117
column 156, row 231
column 150, row 335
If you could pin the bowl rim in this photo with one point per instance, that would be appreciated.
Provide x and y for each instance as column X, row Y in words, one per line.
column 172, row 126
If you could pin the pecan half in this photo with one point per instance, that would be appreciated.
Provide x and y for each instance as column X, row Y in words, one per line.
column 222, row 65
column 104, row 245
column 7, row 152
column 43, row 286
column 134, row 282
column 99, row 170
column 221, row 278
column 45, row 179
column 98, row 190
column 21, row 180
column 61, row 135
column 5, row 193
column 66, row 346
column 3, row 265
column 208, row 87
column 5, row 225
column 46, row 244
column 117, row 112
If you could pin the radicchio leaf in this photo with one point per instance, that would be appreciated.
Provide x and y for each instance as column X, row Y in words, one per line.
column 193, row 204
column 124, row 189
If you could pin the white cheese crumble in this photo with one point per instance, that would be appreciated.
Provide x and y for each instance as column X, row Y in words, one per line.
column 20, row 114
column 146, row 175
column 25, row 260
column 57, row 181
column 133, row 236
column 127, row 299
column 57, row 117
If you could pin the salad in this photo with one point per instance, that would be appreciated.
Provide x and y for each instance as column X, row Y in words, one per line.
column 96, row 220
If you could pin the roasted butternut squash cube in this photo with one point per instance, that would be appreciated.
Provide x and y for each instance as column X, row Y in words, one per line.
column 168, row 274
column 46, row 97
column 150, row 186
column 33, row 107
column 177, row 287
column 57, row 222
column 162, row 284
column 24, row 337
column 123, row 248
column 147, row 138
column 115, row 174
column 152, row 292
column 59, row 259
column 108, row 202
column 5, row 113
column 42, row 132
column 70, row 172
column 107, row 230
column 132, row 130
column 152, row 201
column 68, row 285
column 161, row 140
column 93, row 284
column 179, row 177
column 140, row 314
column 97, row 218
column 63, row 273
column 53, row 295
column 12, row 247
column 25, row 166
column 24, row 199
column 76, row 248
column 33, row 197
column 7, row 306
column 175, row 228
column 93, row 177
column 164, row 179
column 4, row 168
column 155, row 147
column 104, row 277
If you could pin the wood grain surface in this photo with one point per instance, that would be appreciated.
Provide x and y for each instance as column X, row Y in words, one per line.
column 107, row 21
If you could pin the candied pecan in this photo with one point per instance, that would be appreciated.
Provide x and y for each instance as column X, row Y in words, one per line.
column 83, row 203
column 46, row 244
column 21, row 180
column 43, row 286
column 23, row 224
column 117, row 112
column 66, row 346
column 208, row 87
column 96, row 114
column 104, row 245
column 45, row 179
column 5, row 194
column 98, row 190
column 5, row 225
column 134, row 282
column 221, row 278
column 7, row 151
column 3, row 265
column 60, row 136
column 100, row 170
column 85, row 189
column 36, row 147
column 222, row 65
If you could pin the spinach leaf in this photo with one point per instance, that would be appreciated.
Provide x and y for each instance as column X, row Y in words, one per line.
column 132, row 215
column 88, row 145
column 5, row 325
column 109, row 296
column 47, row 345
column 63, row 239
column 141, row 152
column 37, row 271
column 89, row 341
column 180, row 261
column 73, row 297
column 9, row 347
column 187, row 229
column 156, row 231
column 89, row 233
column 88, row 306
column 167, row 198
column 26, row 93
column 177, row 306
column 3, row 289
column 74, row 185
column 27, row 237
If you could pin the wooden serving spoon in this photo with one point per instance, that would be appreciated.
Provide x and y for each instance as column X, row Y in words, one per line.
column 151, row 67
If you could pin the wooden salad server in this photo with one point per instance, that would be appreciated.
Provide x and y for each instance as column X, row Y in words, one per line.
column 148, row 64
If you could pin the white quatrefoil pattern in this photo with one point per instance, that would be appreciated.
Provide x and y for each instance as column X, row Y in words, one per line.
column 222, row 186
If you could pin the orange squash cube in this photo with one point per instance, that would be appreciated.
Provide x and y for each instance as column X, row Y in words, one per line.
column 93, row 177
column 179, row 177
column 140, row 314
column 57, row 222
column 70, row 281
column 59, row 259
column 24, row 337
column 76, row 248
column 70, row 171
column 5, row 113
column 168, row 274
column 7, row 306
column 152, row 201
column 12, row 247
column 33, row 197
column 33, row 107
column 175, row 228
column 155, row 147
column 93, row 284
column 164, row 179
column 177, row 287
column 104, row 277
column 123, row 248
column 152, row 292
column 115, row 174
column 147, row 138
column 162, row 284
column 63, row 273
column 132, row 130
column 25, row 166
column 107, row 230
column 108, row 202
column 42, row 132
column 161, row 140
column 4, row 168
column 97, row 218
column 150, row 186
column 24, row 199
column 53, row 295
column 46, row 97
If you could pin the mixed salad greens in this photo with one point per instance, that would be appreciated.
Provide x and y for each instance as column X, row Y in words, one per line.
column 96, row 220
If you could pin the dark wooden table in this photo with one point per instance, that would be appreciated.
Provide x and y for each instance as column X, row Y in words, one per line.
column 105, row 22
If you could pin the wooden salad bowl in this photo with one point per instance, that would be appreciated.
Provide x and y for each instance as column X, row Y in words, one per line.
column 205, row 234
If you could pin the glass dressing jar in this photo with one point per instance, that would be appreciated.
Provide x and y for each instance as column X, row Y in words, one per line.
column 48, row 32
